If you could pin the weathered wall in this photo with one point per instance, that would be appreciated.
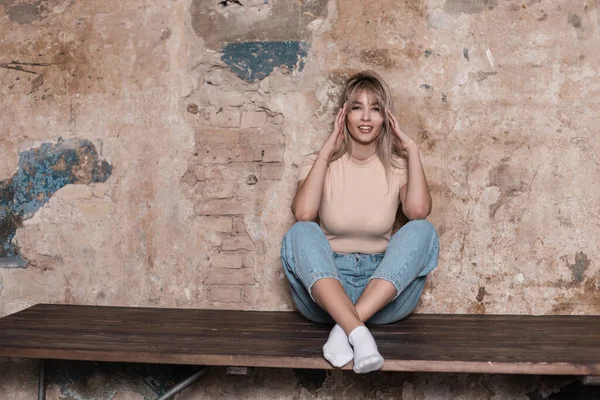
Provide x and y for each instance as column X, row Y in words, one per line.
column 148, row 155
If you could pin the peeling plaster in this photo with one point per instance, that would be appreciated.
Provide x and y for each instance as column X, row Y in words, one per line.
column 253, row 61
column 41, row 172
column 148, row 80
column 469, row 6
column 27, row 12
column 221, row 22
column 578, row 268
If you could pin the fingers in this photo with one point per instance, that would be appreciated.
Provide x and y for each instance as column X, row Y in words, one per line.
column 338, row 118
column 342, row 113
column 341, row 118
column 339, row 114
column 393, row 123
column 393, row 119
column 337, row 135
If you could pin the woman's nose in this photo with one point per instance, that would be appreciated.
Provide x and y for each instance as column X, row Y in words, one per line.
column 365, row 116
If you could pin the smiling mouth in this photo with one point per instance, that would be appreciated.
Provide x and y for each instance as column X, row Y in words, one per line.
column 365, row 128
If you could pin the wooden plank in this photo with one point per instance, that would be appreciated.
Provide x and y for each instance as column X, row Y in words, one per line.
column 520, row 344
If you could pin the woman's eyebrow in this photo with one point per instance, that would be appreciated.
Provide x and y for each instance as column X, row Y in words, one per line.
column 360, row 103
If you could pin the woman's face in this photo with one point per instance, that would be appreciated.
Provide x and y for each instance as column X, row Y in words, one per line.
column 364, row 119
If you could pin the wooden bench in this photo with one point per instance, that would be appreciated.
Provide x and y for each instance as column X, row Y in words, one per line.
column 495, row 344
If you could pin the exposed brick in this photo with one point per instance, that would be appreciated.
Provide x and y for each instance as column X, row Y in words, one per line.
column 225, row 156
column 252, row 194
column 216, row 224
column 238, row 242
column 227, row 99
column 226, row 294
column 215, row 190
column 271, row 171
column 207, row 174
column 247, row 154
column 225, row 118
column 252, row 294
column 218, row 138
column 254, row 119
column 268, row 135
column 227, row 260
column 239, row 171
column 242, row 276
column 215, row 156
column 238, row 225
column 273, row 153
column 220, row 207
column 248, row 260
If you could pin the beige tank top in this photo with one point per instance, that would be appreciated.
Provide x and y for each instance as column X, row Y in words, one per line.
column 358, row 207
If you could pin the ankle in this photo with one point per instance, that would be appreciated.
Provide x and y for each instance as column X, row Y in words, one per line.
column 358, row 333
column 348, row 328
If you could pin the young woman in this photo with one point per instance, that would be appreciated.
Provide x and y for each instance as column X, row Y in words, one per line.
column 350, row 269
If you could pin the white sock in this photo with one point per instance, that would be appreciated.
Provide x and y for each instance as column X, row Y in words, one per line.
column 337, row 350
column 366, row 356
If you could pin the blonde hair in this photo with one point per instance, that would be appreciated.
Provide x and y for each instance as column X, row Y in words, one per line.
column 379, row 93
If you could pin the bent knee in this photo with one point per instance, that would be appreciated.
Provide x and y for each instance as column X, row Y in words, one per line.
column 421, row 224
column 299, row 231
column 422, row 228
column 302, row 228
column 419, row 227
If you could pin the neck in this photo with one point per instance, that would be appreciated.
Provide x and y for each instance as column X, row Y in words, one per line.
column 362, row 151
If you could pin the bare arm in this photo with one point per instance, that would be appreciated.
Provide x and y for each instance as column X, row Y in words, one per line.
column 305, row 205
column 307, row 200
column 414, row 195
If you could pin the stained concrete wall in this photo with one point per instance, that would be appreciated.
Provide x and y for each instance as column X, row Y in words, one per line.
column 148, row 155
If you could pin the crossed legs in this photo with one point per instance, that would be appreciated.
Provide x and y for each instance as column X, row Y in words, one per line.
column 350, row 318
column 391, row 294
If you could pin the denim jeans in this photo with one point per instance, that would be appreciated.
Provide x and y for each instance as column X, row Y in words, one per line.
column 411, row 254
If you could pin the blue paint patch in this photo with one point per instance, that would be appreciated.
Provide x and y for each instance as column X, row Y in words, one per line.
column 253, row 61
column 41, row 172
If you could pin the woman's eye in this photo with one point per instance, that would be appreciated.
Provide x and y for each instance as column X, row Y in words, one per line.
column 355, row 107
column 376, row 109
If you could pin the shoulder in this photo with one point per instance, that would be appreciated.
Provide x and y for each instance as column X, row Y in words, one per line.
column 399, row 165
column 306, row 165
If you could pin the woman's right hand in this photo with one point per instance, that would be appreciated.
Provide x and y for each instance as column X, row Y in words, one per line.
column 336, row 137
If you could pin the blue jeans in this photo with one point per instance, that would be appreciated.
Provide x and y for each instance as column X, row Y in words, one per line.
column 411, row 254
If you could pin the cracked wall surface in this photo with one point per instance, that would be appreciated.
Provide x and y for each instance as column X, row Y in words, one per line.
column 203, row 109
column 42, row 171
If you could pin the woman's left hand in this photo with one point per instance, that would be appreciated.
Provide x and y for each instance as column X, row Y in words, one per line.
column 403, row 141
